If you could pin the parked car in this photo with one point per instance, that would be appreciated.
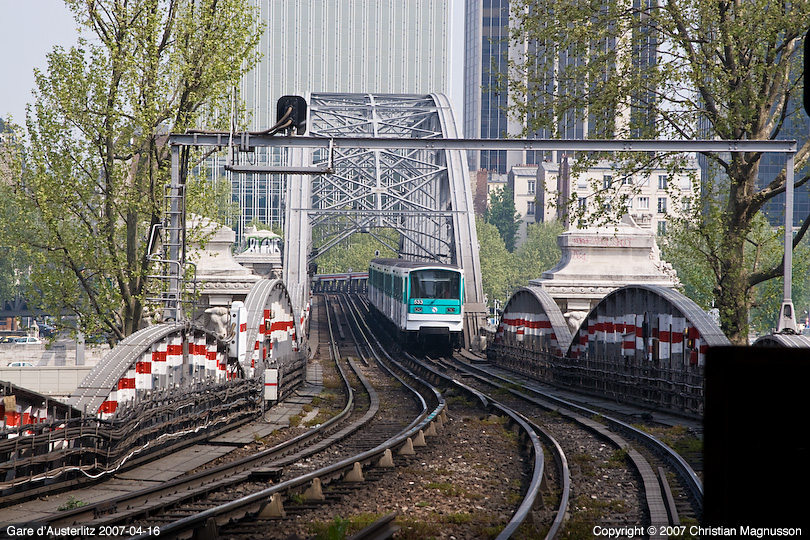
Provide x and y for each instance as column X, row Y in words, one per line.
column 28, row 340
column 20, row 364
column 9, row 339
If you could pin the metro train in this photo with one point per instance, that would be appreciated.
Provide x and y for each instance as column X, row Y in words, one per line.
column 422, row 301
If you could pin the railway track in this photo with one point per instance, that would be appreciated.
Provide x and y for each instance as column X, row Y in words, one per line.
column 538, row 509
column 621, row 474
column 284, row 488
column 669, row 483
column 354, row 486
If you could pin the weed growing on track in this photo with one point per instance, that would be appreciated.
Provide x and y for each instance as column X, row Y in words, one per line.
column 339, row 528
column 460, row 401
column 679, row 438
column 334, row 530
column 71, row 504
column 586, row 464
column 332, row 382
column 618, row 458
column 588, row 512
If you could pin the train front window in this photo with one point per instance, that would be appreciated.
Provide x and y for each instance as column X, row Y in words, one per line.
column 441, row 284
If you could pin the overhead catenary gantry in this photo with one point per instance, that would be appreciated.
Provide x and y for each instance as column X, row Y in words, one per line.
column 421, row 194
column 374, row 162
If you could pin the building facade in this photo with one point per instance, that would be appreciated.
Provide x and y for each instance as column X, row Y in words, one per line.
column 344, row 46
column 522, row 180
column 651, row 199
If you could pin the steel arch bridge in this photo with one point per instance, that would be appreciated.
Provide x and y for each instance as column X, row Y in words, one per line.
column 422, row 195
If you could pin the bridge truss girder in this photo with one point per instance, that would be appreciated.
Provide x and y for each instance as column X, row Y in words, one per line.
column 422, row 194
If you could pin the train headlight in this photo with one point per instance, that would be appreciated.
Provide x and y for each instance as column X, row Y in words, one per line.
column 417, row 310
column 435, row 309
column 451, row 310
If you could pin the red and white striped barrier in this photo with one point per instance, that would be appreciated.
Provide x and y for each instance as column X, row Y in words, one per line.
column 664, row 335
column 143, row 372
column 126, row 387
column 629, row 335
column 174, row 352
column 107, row 409
column 159, row 354
column 211, row 360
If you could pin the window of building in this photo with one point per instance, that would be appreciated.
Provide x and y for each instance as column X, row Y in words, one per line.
column 663, row 179
column 582, row 183
column 627, row 180
column 643, row 203
column 582, row 203
column 662, row 205
column 662, row 227
column 530, row 187
column 607, row 181
column 530, row 208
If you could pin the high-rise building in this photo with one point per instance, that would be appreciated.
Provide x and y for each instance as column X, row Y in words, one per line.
column 795, row 127
column 487, row 48
column 345, row 46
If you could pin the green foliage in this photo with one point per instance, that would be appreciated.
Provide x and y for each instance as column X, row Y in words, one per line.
column 71, row 504
column 764, row 249
column 503, row 272
column 12, row 270
column 722, row 70
column 496, row 262
column 501, row 213
column 259, row 226
column 539, row 252
column 355, row 251
column 335, row 530
column 212, row 199
column 89, row 185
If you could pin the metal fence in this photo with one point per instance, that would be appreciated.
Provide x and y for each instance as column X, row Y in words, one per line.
column 645, row 383
column 74, row 450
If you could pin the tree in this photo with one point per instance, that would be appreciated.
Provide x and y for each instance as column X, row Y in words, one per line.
column 497, row 269
column 501, row 213
column 355, row 252
column 91, row 188
column 539, row 252
column 762, row 250
column 674, row 69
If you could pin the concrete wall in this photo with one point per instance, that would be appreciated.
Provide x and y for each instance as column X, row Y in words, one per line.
column 49, row 380
column 61, row 353
column 55, row 372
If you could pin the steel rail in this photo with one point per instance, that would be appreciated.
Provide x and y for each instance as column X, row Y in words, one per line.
column 534, row 487
column 675, row 460
column 533, row 491
column 255, row 502
column 388, row 366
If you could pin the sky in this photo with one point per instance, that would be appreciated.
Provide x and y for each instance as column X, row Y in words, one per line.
column 30, row 29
